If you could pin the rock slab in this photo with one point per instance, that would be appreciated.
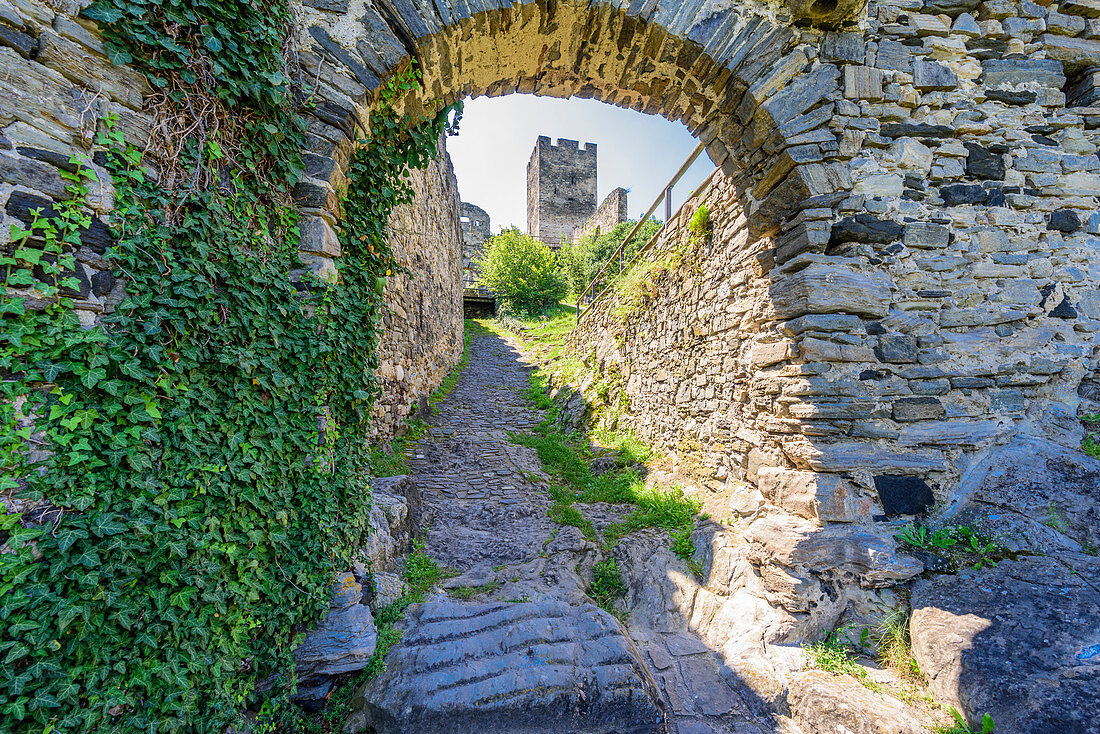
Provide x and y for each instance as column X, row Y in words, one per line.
column 514, row 667
column 1020, row 642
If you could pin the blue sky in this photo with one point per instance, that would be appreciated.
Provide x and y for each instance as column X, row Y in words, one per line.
column 638, row 152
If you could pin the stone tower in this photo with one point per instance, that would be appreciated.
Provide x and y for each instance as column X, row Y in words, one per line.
column 561, row 189
column 475, row 230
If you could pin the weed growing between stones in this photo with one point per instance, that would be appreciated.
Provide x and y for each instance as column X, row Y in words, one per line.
column 469, row 592
column 895, row 648
column 834, row 654
column 955, row 544
column 1091, row 442
column 960, row 726
column 607, row 585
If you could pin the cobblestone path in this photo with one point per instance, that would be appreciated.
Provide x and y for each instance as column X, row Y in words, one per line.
column 514, row 643
column 479, row 504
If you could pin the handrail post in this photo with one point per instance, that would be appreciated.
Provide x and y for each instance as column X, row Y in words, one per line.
column 666, row 193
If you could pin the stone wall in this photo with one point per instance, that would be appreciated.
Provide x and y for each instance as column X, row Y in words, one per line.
column 561, row 189
column 60, row 84
column 611, row 212
column 57, row 86
column 947, row 301
column 422, row 337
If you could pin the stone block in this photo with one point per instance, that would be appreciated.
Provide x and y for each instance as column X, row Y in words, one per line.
column 932, row 76
column 764, row 354
column 982, row 163
column 802, row 94
column 897, row 349
column 1046, row 72
column 926, row 236
column 965, row 25
column 956, row 194
column 894, row 56
column 844, row 46
column 918, row 409
column 812, row 495
column 1076, row 53
column 949, row 433
column 862, row 82
column 911, row 155
column 862, row 456
column 916, row 130
column 880, row 184
column 318, row 236
column 820, row 350
column 865, row 228
column 928, row 25
column 1064, row 220
column 823, row 289
column 822, row 323
column 1084, row 8
column 344, row 641
column 1065, row 25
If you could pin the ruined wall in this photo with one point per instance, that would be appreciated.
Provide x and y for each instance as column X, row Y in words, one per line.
column 475, row 230
column 612, row 211
column 561, row 189
column 422, row 336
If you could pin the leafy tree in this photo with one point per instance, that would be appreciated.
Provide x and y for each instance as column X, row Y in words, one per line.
column 581, row 261
column 522, row 271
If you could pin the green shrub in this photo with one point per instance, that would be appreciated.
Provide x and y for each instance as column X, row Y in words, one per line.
column 522, row 271
column 580, row 262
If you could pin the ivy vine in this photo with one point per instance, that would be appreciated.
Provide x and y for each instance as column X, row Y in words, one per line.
column 189, row 474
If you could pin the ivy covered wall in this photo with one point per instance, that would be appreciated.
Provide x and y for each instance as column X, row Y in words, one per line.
column 186, row 406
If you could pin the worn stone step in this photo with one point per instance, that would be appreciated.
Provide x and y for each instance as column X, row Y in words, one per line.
column 523, row 668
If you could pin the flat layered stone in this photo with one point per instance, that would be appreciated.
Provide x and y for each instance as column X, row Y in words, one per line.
column 821, row 289
column 522, row 667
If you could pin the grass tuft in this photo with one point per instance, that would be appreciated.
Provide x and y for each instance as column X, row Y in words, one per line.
column 607, row 585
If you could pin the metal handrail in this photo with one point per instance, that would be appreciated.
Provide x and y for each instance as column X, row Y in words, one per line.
column 666, row 194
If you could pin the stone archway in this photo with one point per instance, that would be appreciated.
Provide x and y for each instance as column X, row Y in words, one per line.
column 742, row 78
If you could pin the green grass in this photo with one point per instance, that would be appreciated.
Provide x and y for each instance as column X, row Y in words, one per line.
column 607, row 585
column 1091, row 443
column 895, row 649
column 567, row 458
column 833, row 655
column 959, row 725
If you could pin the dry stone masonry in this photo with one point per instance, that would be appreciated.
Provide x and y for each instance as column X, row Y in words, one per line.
column 475, row 230
column 422, row 333
column 611, row 212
